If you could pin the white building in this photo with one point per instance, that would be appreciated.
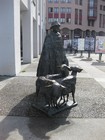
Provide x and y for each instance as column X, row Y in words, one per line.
column 22, row 27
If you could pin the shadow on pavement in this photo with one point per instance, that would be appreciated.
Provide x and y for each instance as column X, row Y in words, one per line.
column 3, row 78
column 78, row 56
column 98, row 63
column 38, row 123
column 86, row 59
column 40, row 127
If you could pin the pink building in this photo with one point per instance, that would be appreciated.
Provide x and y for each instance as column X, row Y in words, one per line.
column 78, row 18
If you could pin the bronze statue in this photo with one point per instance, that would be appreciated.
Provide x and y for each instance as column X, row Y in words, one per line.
column 52, row 56
column 55, row 90
column 54, row 84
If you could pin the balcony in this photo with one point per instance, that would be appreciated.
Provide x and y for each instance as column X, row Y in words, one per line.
column 92, row 17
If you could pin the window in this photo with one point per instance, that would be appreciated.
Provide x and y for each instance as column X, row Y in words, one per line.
column 100, row 7
column 103, row 8
column 68, row 10
column 91, row 3
column 68, row 20
column 78, row 2
column 91, row 13
column 50, row 10
column 63, row 9
column 63, row 1
column 62, row 20
column 50, row 1
column 56, row 10
column 90, row 22
column 56, row 1
column 80, row 17
column 68, row 1
column 56, row 19
column 100, row 21
column 103, row 21
column 76, row 16
column 50, row 20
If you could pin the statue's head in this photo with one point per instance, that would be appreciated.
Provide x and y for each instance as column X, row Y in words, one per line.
column 55, row 26
column 64, row 69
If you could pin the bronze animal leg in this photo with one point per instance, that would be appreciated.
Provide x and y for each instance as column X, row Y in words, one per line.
column 73, row 94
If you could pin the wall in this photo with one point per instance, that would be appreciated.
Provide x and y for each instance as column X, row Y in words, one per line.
column 10, row 56
column 9, row 37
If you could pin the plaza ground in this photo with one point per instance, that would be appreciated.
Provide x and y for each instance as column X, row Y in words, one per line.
column 19, row 121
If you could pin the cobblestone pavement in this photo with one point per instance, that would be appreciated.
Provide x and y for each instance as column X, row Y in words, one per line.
column 18, row 95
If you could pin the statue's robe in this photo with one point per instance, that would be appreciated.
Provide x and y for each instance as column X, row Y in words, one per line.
column 52, row 56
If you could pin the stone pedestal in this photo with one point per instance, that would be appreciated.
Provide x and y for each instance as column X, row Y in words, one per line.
column 50, row 111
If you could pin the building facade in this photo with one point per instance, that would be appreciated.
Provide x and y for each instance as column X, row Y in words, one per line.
column 78, row 18
column 22, row 31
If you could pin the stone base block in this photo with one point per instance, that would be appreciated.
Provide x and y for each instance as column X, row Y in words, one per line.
column 50, row 111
